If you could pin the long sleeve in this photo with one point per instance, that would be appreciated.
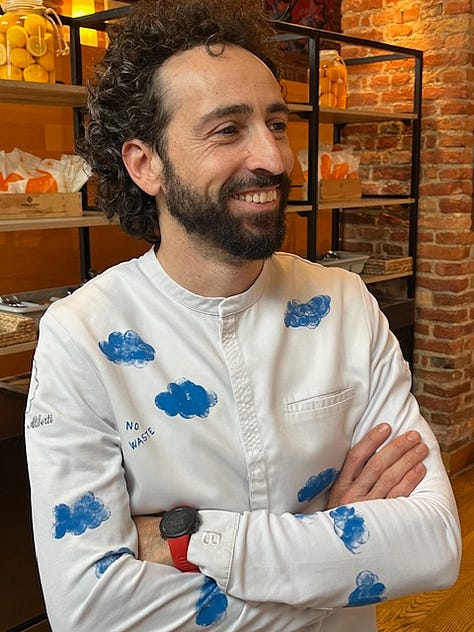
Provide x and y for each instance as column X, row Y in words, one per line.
column 144, row 396
column 85, row 538
column 351, row 555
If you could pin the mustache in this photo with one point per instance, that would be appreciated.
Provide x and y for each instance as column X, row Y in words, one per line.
column 257, row 181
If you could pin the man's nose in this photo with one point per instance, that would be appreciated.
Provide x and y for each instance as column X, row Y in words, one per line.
column 266, row 153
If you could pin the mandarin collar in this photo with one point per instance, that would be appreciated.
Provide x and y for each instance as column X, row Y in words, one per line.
column 219, row 306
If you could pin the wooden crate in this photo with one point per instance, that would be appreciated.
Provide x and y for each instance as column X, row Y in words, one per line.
column 340, row 189
column 388, row 265
column 15, row 329
column 37, row 205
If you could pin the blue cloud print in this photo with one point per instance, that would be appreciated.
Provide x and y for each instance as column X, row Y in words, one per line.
column 88, row 512
column 350, row 527
column 306, row 518
column 109, row 558
column 307, row 314
column 317, row 484
column 211, row 605
column 127, row 348
column 186, row 399
column 369, row 590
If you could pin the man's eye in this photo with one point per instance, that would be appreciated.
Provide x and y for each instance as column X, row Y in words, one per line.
column 229, row 130
column 279, row 126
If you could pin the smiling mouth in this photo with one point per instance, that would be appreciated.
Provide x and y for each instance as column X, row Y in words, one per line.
column 257, row 197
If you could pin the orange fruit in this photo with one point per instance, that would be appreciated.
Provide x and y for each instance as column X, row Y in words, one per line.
column 35, row 24
column 327, row 100
column 7, row 20
column 47, row 61
column 324, row 85
column 3, row 54
column 339, row 89
column 20, row 57
column 16, row 36
column 42, row 184
column 11, row 72
column 334, row 72
column 36, row 74
column 36, row 45
column 49, row 41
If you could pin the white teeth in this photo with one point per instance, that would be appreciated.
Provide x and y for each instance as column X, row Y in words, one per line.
column 259, row 198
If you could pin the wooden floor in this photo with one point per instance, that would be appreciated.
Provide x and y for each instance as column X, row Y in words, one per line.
column 445, row 610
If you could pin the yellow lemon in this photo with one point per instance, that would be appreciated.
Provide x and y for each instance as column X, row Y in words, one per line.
column 49, row 41
column 35, row 24
column 342, row 102
column 7, row 20
column 11, row 72
column 16, row 36
column 47, row 61
column 324, row 85
column 20, row 57
column 327, row 100
column 36, row 46
column 339, row 89
column 3, row 55
column 334, row 72
column 36, row 74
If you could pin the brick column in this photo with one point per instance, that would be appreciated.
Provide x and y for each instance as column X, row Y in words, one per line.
column 444, row 342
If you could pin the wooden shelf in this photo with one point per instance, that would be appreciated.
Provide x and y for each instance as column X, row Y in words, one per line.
column 27, row 93
column 339, row 116
column 366, row 202
column 89, row 218
column 18, row 348
column 376, row 278
column 298, row 208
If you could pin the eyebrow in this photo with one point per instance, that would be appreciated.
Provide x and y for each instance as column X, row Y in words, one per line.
column 241, row 108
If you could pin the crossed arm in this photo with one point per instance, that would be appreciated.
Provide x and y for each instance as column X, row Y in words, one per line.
column 369, row 473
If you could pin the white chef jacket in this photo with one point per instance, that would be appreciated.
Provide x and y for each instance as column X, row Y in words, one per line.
column 145, row 396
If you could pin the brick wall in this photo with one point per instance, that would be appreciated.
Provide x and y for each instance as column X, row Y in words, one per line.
column 444, row 342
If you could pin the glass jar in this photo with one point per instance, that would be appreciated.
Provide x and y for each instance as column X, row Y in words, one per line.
column 332, row 80
column 31, row 35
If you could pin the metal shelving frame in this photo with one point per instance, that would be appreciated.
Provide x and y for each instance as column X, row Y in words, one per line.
column 401, row 315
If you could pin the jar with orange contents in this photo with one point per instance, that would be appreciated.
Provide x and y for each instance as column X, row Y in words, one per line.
column 31, row 35
column 332, row 80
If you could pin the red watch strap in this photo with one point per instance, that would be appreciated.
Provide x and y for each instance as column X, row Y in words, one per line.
column 179, row 553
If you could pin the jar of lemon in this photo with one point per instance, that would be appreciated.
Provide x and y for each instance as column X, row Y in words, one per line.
column 332, row 80
column 31, row 35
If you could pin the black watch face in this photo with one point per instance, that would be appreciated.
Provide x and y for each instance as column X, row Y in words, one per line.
column 178, row 522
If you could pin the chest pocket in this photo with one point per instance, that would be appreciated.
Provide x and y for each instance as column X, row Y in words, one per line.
column 325, row 405
column 319, row 429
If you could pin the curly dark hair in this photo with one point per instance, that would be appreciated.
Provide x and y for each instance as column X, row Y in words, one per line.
column 125, row 102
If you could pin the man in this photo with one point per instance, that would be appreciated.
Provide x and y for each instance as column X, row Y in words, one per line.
column 238, row 401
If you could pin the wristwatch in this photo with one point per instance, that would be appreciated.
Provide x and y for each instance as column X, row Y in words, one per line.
column 176, row 527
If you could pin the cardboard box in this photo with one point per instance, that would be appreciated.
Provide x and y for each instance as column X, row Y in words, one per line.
column 37, row 205
column 341, row 189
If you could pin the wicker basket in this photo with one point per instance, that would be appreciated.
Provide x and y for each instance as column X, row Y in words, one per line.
column 388, row 265
column 15, row 329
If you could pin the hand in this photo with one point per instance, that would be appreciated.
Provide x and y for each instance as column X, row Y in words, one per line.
column 393, row 471
column 151, row 546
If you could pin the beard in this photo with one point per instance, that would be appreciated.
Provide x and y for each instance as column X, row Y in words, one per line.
column 249, row 236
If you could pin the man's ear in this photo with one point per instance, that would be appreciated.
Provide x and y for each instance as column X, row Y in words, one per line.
column 143, row 165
